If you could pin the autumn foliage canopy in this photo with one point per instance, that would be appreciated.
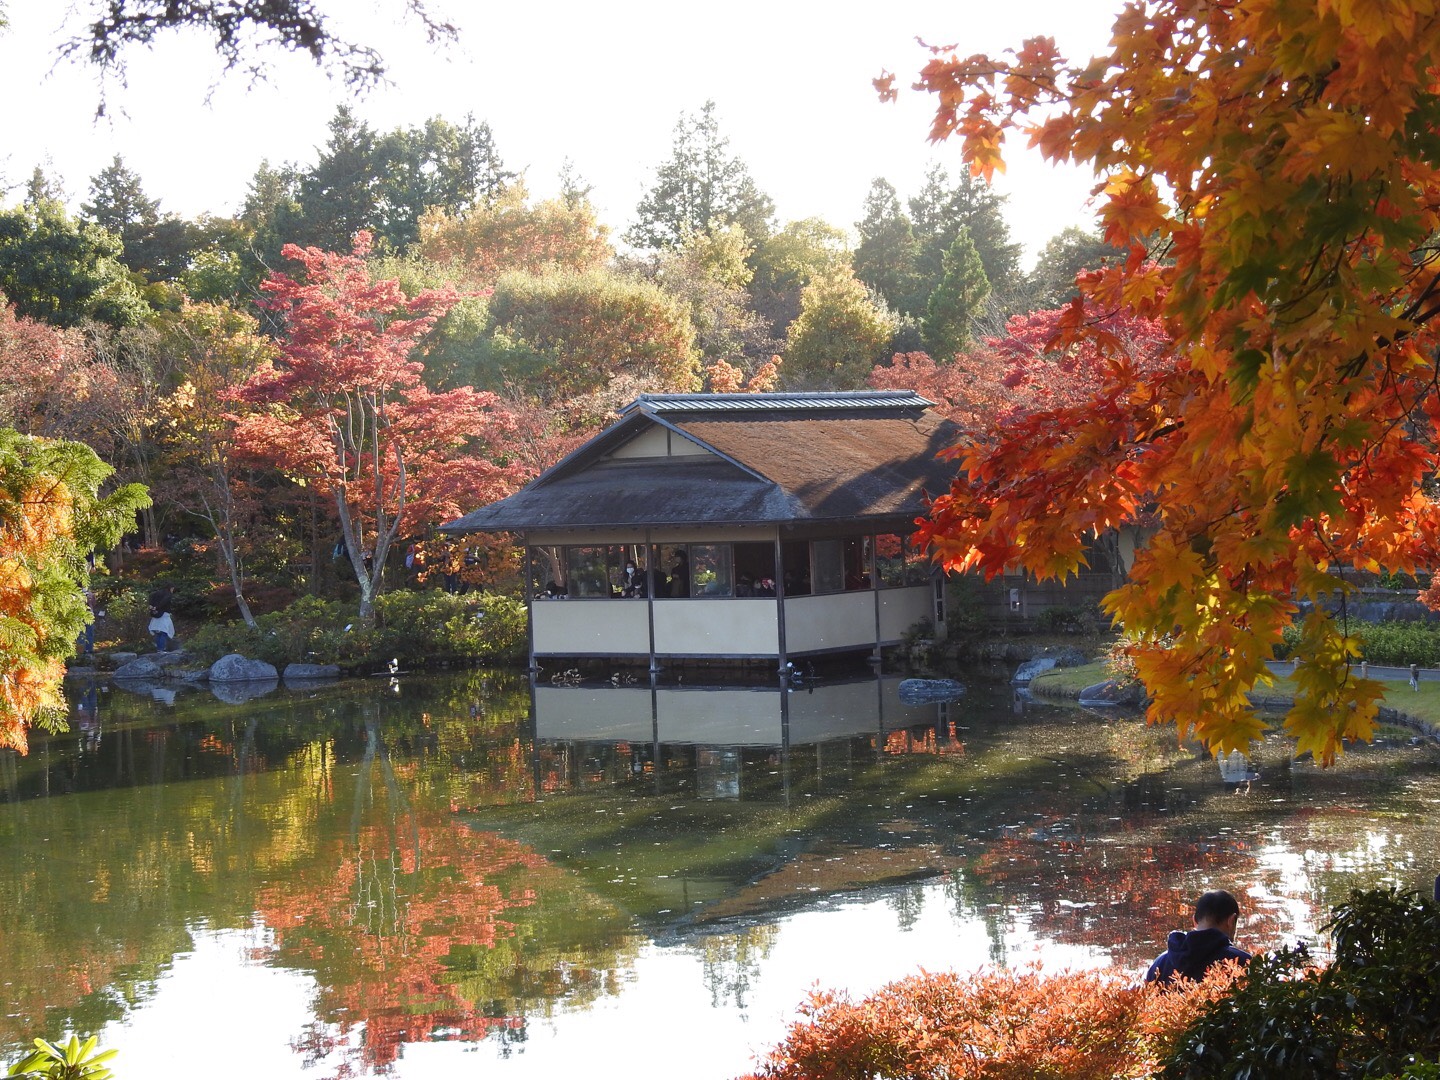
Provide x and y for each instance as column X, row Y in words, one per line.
column 345, row 408
column 1271, row 169
column 51, row 516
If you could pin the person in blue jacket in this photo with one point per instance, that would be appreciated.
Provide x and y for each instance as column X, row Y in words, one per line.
column 1191, row 953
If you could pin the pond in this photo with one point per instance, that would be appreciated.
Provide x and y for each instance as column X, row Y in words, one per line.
column 410, row 877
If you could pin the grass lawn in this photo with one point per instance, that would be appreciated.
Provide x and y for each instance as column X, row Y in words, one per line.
column 1068, row 682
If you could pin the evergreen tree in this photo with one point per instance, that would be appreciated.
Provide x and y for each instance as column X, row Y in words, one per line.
column 940, row 210
column 701, row 187
column 118, row 202
column 63, row 271
column 340, row 196
column 441, row 166
column 946, row 326
column 43, row 187
column 1052, row 283
column 886, row 256
column 156, row 245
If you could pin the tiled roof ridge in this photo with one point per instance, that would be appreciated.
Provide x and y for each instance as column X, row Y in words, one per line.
column 820, row 401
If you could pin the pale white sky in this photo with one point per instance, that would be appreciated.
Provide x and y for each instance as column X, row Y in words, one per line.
column 600, row 84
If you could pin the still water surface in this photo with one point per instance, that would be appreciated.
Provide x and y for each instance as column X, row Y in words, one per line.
column 463, row 873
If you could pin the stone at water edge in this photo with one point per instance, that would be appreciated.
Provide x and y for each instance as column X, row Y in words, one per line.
column 239, row 691
column 1030, row 668
column 922, row 691
column 142, row 668
column 237, row 668
column 311, row 671
column 1110, row 692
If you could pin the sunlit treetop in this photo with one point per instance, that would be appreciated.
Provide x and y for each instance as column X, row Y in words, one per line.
column 1270, row 166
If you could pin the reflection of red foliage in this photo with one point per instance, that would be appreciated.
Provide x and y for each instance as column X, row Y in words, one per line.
column 908, row 741
column 1122, row 894
column 378, row 932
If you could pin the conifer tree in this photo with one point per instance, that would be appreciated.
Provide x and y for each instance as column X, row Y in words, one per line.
column 946, row 326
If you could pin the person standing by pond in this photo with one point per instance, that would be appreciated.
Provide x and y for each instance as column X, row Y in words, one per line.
column 1192, row 953
column 161, row 627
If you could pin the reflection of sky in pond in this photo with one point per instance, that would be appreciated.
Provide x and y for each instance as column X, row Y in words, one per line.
column 424, row 879
column 711, row 1018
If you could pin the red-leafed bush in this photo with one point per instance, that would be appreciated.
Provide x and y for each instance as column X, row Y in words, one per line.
column 995, row 1025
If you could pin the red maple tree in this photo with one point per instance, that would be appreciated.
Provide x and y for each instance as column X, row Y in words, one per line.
column 1035, row 366
column 346, row 410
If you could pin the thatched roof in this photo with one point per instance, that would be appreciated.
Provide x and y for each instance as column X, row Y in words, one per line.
column 788, row 459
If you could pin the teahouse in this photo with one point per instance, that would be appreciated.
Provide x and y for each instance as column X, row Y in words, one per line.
column 733, row 526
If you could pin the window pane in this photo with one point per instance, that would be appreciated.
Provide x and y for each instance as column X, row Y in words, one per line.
column 710, row 570
column 890, row 560
column 829, row 570
column 754, row 569
column 897, row 563
column 547, row 572
column 795, row 555
column 855, row 554
column 672, row 570
column 589, row 571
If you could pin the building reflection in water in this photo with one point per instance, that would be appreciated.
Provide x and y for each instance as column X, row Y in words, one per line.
column 733, row 741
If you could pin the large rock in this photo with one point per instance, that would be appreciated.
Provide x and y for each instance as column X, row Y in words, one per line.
column 174, row 658
column 925, row 691
column 1030, row 668
column 239, row 691
column 1109, row 694
column 143, row 667
column 237, row 668
column 310, row 672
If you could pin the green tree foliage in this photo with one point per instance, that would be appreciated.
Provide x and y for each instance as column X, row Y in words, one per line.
column 445, row 166
column 51, row 516
column 945, row 329
column 886, row 256
column 558, row 337
column 701, row 186
column 941, row 209
column 709, row 273
column 788, row 260
column 382, row 183
column 340, row 195
column 43, row 187
column 63, row 271
column 1367, row 1013
column 840, row 334
column 1052, row 283
column 155, row 245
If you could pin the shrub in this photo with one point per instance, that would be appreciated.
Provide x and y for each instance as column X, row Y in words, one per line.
column 1367, row 1013
column 995, row 1025
column 1417, row 1070
column 127, row 609
column 1398, row 643
column 416, row 628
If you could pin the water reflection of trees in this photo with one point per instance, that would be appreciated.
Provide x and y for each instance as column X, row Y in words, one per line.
column 731, row 963
column 440, row 875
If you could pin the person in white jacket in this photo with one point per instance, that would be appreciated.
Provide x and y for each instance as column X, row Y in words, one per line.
column 162, row 627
